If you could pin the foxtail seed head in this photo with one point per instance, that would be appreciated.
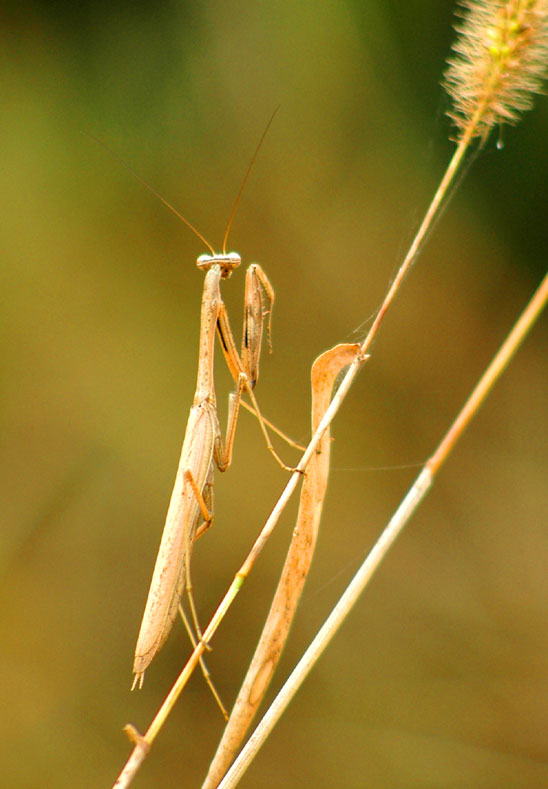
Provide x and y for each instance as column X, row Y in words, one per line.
column 501, row 58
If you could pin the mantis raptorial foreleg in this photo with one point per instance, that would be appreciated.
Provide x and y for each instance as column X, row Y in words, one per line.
column 244, row 367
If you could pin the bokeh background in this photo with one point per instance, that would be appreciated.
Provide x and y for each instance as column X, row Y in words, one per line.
column 440, row 676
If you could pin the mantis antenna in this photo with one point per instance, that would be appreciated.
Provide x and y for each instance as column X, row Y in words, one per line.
column 172, row 208
column 246, row 176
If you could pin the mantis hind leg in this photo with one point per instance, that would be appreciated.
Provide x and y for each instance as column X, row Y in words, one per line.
column 205, row 503
column 204, row 499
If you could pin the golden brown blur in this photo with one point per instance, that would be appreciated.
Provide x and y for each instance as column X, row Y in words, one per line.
column 439, row 677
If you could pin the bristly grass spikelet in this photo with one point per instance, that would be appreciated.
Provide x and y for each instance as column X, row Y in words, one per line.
column 500, row 62
column 501, row 58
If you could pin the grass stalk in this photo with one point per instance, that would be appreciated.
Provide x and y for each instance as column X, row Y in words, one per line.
column 388, row 537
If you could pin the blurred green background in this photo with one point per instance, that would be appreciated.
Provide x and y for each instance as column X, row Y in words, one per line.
column 439, row 677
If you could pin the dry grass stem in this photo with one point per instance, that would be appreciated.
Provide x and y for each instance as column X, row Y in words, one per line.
column 297, row 564
column 387, row 538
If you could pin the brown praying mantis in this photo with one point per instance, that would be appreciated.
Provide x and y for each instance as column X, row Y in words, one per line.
column 190, row 509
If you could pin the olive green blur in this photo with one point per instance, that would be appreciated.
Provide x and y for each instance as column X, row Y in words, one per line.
column 439, row 677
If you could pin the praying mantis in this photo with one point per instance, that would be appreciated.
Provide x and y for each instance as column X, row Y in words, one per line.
column 203, row 447
column 190, row 509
